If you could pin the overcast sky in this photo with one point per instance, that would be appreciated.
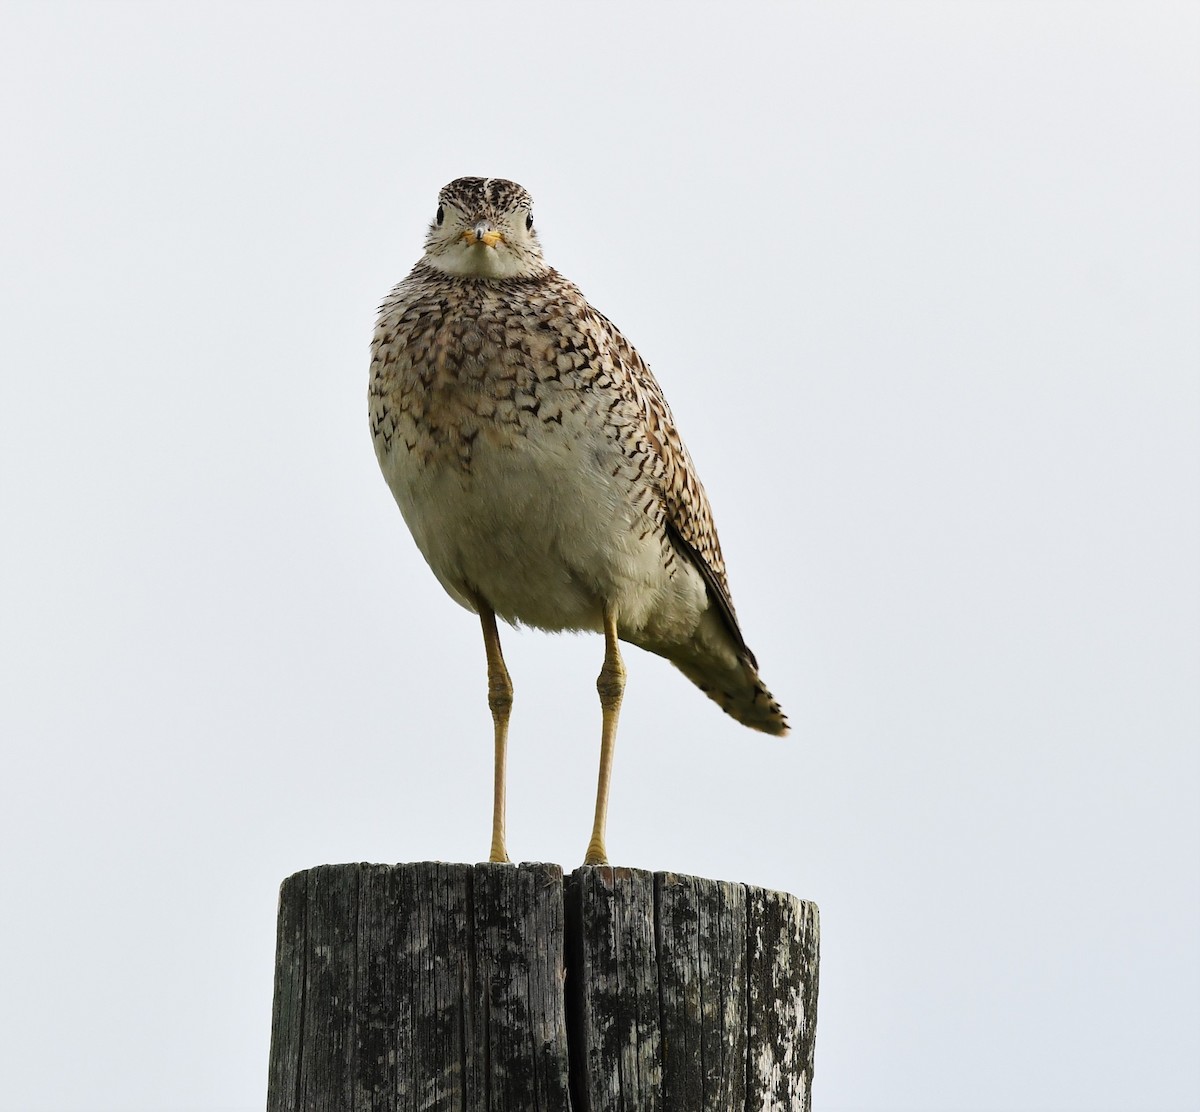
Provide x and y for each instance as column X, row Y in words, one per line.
column 921, row 282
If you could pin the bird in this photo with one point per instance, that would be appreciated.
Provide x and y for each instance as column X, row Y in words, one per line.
column 539, row 469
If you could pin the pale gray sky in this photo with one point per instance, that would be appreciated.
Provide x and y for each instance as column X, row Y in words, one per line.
column 921, row 282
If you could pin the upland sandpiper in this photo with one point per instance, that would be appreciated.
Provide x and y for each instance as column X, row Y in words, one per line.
column 538, row 466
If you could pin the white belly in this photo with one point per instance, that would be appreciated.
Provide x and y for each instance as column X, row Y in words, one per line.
column 542, row 531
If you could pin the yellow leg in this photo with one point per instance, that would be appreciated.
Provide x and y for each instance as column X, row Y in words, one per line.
column 500, row 699
column 611, row 686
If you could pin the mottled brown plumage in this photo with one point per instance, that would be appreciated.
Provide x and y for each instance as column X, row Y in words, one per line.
column 536, row 460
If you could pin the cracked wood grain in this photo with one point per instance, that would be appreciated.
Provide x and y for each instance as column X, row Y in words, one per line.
column 491, row 988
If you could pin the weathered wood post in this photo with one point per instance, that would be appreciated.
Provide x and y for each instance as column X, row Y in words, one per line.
column 500, row 988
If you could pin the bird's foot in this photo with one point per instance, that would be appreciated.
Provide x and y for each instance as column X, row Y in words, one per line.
column 596, row 854
column 499, row 855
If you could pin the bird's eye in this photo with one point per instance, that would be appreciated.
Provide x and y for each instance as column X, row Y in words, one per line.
column 529, row 222
column 441, row 215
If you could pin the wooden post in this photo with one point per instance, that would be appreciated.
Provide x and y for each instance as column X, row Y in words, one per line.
column 498, row 988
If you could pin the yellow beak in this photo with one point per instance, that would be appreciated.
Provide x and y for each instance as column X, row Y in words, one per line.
column 481, row 233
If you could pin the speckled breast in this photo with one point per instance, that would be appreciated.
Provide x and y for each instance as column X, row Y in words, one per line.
column 457, row 364
column 516, row 465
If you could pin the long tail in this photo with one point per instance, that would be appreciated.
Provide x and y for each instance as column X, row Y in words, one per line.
column 738, row 690
column 724, row 670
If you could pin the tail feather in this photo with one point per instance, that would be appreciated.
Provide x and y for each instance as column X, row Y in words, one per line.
column 739, row 691
column 717, row 660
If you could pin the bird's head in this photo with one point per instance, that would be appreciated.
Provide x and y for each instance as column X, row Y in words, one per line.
column 484, row 229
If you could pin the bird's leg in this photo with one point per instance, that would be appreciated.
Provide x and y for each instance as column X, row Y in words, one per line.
column 500, row 699
column 611, row 686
